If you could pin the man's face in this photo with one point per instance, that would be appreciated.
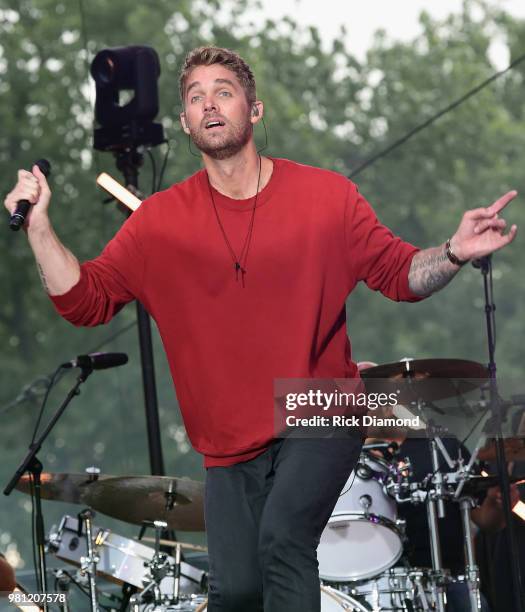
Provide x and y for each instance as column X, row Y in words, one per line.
column 217, row 115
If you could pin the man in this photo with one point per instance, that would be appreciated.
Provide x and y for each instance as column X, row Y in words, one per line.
column 246, row 267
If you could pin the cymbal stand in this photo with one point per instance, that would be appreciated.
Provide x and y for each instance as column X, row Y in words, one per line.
column 176, row 581
column 436, row 508
column 471, row 569
column 89, row 564
column 158, row 567
column 435, row 551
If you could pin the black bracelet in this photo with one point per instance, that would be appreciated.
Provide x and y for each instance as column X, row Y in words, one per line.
column 451, row 257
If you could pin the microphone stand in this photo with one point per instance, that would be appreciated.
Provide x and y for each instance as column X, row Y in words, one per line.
column 485, row 265
column 32, row 465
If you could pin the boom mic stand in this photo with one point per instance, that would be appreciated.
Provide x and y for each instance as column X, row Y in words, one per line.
column 32, row 465
column 485, row 265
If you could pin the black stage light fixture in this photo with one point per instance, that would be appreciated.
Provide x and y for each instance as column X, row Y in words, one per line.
column 124, row 126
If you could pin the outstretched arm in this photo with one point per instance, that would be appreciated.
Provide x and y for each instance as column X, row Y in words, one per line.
column 480, row 233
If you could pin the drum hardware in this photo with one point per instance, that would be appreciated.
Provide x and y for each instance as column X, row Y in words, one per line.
column 158, row 568
column 127, row 562
column 62, row 585
column 88, row 564
column 365, row 502
column 471, row 569
column 435, row 552
column 399, row 589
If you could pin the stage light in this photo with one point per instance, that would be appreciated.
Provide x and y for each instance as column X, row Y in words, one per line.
column 129, row 125
column 519, row 509
column 118, row 191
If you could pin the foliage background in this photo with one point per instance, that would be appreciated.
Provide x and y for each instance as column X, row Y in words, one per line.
column 323, row 107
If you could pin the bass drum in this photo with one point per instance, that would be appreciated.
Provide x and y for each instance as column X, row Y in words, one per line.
column 331, row 601
column 363, row 537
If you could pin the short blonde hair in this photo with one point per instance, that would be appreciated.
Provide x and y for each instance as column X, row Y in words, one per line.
column 207, row 56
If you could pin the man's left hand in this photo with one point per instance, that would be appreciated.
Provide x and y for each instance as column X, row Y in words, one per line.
column 482, row 231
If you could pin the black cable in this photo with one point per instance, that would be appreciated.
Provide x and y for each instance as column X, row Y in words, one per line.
column 112, row 337
column 435, row 117
column 49, row 378
column 476, row 425
column 265, row 145
column 164, row 164
column 52, row 381
column 153, row 170
column 345, row 491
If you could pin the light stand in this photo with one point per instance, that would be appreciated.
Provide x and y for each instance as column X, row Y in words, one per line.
column 123, row 130
column 128, row 162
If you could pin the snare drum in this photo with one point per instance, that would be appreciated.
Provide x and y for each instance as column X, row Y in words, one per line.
column 399, row 589
column 121, row 560
column 331, row 601
column 363, row 537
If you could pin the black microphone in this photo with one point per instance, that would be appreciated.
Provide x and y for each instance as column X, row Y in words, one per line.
column 97, row 361
column 18, row 218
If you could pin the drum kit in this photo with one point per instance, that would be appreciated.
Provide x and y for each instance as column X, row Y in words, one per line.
column 361, row 551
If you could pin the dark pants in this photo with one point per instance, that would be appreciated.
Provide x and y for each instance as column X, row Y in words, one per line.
column 264, row 519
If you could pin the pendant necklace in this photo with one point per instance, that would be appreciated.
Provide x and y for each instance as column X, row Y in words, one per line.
column 239, row 263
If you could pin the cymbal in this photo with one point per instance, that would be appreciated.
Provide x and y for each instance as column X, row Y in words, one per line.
column 175, row 543
column 61, row 487
column 514, row 450
column 425, row 379
column 135, row 499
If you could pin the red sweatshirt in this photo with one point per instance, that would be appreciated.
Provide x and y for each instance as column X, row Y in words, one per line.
column 314, row 238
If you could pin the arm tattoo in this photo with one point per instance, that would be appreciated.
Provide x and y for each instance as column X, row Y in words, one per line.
column 42, row 277
column 430, row 271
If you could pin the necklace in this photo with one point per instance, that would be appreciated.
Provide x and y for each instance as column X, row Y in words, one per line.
column 239, row 263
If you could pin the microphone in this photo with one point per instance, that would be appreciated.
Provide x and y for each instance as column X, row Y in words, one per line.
column 97, row 361
column 18, row 218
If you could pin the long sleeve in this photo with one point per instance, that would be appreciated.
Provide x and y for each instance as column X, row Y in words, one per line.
column 376, row 256
column 107, row 282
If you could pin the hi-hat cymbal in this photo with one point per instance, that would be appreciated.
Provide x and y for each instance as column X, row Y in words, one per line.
column 425, row 379
column 135, row 499
column 61, row 487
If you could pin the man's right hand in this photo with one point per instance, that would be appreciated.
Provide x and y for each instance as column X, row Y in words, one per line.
column 32, row 187
column 58, row 268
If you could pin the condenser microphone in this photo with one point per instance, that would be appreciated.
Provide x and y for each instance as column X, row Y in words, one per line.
column 18, row 218
column 97, row 361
